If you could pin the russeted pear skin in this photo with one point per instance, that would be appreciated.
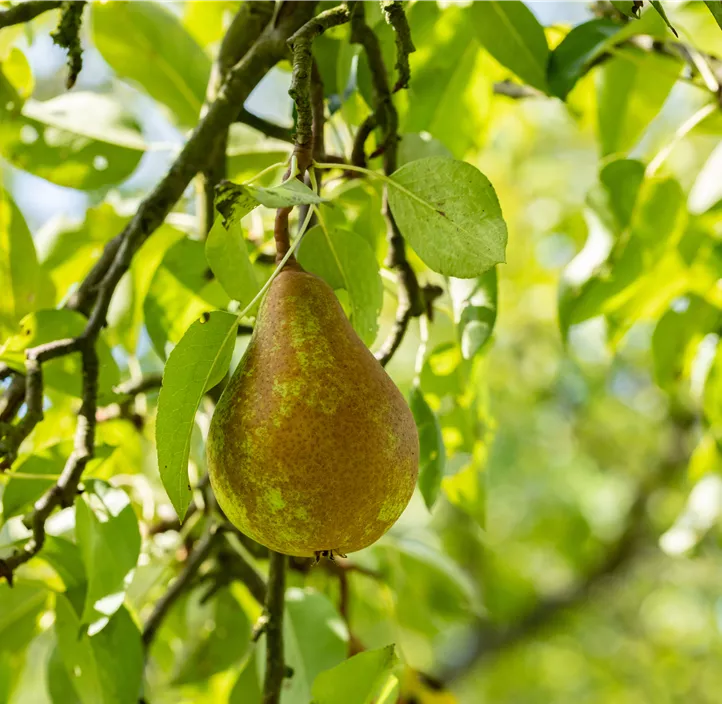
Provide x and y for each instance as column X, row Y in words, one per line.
column 311, row 446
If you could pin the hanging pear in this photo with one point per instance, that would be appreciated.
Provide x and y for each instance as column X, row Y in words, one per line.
column 312, row 450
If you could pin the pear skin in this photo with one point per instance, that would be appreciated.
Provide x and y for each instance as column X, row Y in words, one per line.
column 311, row 448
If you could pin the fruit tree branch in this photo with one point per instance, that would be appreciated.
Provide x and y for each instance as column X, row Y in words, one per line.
column 394, row 12
column 245, row 28
column 198, row 556
column 67, row 36
column 301, row 45
column 95, row 293
column 26, row 11
column 411, row 298
column 273, row 628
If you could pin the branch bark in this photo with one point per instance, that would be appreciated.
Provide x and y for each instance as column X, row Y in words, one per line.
column 275, row 664
column 26, row 11
column 199, row 555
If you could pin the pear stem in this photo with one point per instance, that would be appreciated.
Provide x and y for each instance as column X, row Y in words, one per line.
column 291, row 251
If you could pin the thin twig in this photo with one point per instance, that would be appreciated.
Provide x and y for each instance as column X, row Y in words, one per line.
column 245, row 28
column 301, row 45
column 269, row 129
column 358, row 152
column 198, row 556
column 273, row 628
column 26, row 11
column 67, row 36
column 396, row 17
column 411, row 300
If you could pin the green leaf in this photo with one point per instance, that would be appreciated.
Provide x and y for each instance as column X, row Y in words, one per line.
column 63, row 373
column 345, row 260
column 715, row 7
column 315, row 639
column 572, row 58
column 293, row 192
column 513, row 36
column 432, row 456
column 106, row 668
column 675, row 335
column 475, row 304
column 17, row 70
column 109, row 540
column 197, row 363
column 657, row 5
column 60, row 688
column 147, row 44
column 22, row 605
column 227, row 255
column 356, row 680
column 79, row 139
column 126, row 321
column 68, row 250
column 629, row 8
column 220, row 639
column 455, row 73
column 24, row 286
column 247, row 689
column 712, row 399
column 66, row 559
column 628, row 99
column 614, row 198
column 181, row 289
column 449, row 213
column 419, row 146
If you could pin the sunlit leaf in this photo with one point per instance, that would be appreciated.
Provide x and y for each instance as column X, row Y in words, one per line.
column 315, row 639
column 449, row 213
column 106, row 668
column 109, row 540
column 182, row 288
column 25, row 286
column 63, row 373
column 513, row 36
column 344, row 260
column 356, row 680
column 475, row 308
column 432, row 456
column 197, row 363
column 145, row 43
column 227, row 255
column 628, row 99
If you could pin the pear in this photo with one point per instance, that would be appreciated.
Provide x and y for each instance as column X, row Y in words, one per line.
column 312, row 450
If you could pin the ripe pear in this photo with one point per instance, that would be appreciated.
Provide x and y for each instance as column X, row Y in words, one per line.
column 312, row 449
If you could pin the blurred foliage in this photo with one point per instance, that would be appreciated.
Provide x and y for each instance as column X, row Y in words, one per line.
column 549, row 391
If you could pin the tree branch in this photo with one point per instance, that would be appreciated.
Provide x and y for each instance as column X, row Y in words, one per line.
column 198, row 556
column 26, row 11
column 301, row 45
column 270, row 129
column 273, row 627
column 411, row 300
column 245, row 28
column 67, row 36
column 394, row 12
